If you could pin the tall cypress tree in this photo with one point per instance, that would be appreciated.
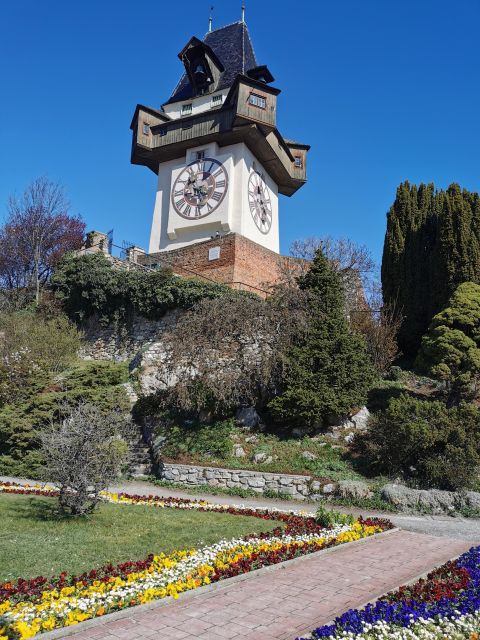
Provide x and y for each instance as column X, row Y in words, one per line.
column 330, row 372
column 432, row 245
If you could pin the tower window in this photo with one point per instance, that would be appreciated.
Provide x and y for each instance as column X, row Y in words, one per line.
column 257, row 101
column 146, row 129
column 200, row 155
column 186, row 109
column 217, row 100
column 299, row 162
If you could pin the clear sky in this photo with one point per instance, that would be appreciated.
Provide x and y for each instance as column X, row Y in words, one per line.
column 383, row 91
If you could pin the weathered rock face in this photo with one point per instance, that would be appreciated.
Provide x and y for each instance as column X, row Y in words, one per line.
column 124, row 343
column 139, row 343
column 352, row 489
column 259, row 458
column 238, row 451
column 248, row 417
column 360, row 419
column 430, row 501
column 357, row 421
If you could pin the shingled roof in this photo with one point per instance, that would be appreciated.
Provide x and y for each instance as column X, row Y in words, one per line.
column 233, row 47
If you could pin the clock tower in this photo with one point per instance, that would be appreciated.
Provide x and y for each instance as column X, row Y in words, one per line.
column 220, row 160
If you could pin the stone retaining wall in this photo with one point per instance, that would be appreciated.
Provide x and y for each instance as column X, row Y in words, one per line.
column 124, row 343
column 299, row 487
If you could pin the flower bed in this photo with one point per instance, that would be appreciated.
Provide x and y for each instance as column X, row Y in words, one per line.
column 29, row 607
column 444, row 605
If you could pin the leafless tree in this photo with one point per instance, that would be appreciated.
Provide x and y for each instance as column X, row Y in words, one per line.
column 380, row 324
column 231, row 351
column 37, row 232
column 83, row 454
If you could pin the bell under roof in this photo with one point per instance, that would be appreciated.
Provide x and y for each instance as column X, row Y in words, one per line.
column 233, row 47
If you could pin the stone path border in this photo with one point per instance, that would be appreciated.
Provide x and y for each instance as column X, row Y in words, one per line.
column 280, row 602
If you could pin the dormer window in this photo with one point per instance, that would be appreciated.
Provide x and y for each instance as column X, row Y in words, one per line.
column 201, row 65
column 257, row 100
column 299, row 162
column 217, row 100
column 186, row 109
column 146, row 129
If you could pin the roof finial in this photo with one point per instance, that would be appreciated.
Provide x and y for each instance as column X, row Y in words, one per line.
column 210, row 19
column 243, row 11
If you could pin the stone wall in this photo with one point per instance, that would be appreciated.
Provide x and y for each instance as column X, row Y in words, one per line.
column 124, row 343
column 299, row 487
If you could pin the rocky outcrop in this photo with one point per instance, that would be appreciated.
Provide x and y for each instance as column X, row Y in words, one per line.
column 430, row 501
column 352, row 489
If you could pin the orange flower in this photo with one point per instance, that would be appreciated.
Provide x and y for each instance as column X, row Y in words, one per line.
column 101, row 611
column 474, row 636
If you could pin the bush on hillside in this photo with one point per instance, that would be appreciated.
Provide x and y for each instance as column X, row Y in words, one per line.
column 175, row 438
column 45, row 399
column 32, row 345
column 328, row 371
column 231, row 352
column 450, row 350
column 425, row 442
column 88, row 286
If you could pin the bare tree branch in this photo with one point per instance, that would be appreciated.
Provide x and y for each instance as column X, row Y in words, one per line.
column 37, row 232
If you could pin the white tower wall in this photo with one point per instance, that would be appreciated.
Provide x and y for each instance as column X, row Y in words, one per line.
column 171, row 231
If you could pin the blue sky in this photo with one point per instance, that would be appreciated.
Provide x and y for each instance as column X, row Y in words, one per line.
column 383, row 91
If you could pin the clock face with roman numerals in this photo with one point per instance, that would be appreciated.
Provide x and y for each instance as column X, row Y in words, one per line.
column 259, row 202
column 200, row 188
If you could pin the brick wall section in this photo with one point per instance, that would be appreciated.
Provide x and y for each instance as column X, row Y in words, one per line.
column 242, row 264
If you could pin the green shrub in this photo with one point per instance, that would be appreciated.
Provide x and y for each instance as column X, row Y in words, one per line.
column 88, row 285
column 329, row 373
column 196, row 438
column 425, row 442
column 327, row 518
column 33, row 346
column 450, row 350
column 45, row 399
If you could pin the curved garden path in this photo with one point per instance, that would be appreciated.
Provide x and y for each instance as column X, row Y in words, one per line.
column 283, row 601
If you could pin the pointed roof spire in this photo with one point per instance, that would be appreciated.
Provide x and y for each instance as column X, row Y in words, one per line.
column 210, row 20
column 243, row 11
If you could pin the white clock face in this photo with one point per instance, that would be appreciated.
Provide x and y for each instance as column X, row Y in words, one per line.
column 199, row 189
column 259, row 202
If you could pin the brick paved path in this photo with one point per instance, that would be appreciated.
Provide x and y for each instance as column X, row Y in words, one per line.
column 290, row 600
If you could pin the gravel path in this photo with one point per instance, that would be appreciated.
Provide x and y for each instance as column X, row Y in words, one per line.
column 455, row 528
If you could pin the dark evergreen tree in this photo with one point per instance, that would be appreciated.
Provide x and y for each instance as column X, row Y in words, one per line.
column 432, row 245
column 330, row 372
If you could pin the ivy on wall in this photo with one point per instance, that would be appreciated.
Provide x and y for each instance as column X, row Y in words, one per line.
column 88, row 285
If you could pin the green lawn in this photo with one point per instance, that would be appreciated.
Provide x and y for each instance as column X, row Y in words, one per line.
column 35, row 541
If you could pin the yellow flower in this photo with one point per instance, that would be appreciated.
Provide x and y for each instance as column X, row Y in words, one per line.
column 26, row 630
column 48, row 624
column 4, row 606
